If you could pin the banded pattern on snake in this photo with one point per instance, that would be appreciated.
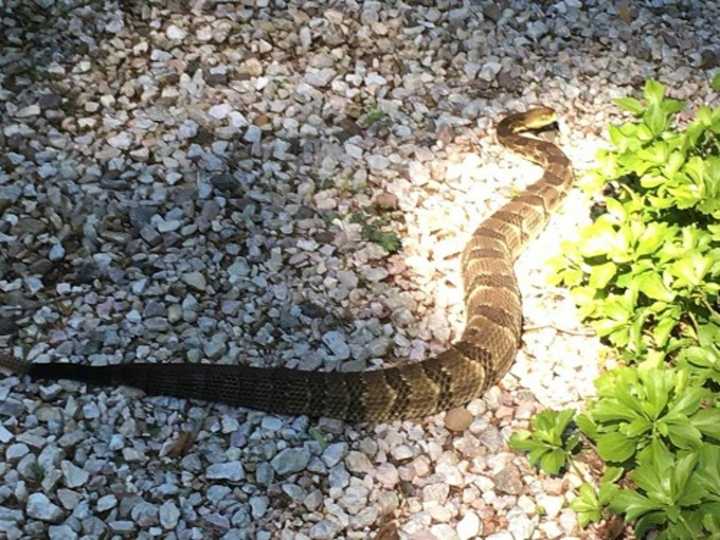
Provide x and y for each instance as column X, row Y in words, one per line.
column 465, row 371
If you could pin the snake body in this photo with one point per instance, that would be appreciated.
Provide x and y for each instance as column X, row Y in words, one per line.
column 465, row 371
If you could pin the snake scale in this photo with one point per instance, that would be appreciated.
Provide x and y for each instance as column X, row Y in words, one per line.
column 466, row 370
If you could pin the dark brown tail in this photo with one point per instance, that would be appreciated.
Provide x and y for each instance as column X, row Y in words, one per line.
column 275, row 390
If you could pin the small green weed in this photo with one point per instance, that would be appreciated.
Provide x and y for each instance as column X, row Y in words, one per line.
column 373, row 115
column 38, row 472
column 373, row 231
column 549, row 445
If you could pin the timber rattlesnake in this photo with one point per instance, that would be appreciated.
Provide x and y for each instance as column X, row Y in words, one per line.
column 470, row 366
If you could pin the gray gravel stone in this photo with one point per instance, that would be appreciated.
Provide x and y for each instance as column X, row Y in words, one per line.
column 122, row 526
column 290, row 460
column 10, row 514
column 68, row 498
column 259, row 506
column 144, row 514
column 196, row 280
column 232, row 470
column 39, row 507
column 62, row 532
column 16, row 451
column 74, row 476
column 334, row 453
column 337, row 344
column 324, row 530
column 169, row 515
column 106, row 502
column 509, row 480
column 320, row 78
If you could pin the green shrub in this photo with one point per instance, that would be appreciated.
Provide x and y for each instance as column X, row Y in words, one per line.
column 646, row 275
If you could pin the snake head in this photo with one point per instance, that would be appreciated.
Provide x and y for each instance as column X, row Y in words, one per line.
column 539, row 117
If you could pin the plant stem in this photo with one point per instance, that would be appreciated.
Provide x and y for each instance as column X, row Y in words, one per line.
column 578, row 471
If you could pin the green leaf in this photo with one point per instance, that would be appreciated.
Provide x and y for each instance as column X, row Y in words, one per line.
column 601, row 274
column 653, row 91
column 688, row 490
column 615, row 447
column 649, row 521
column 632, row 504
column 587, row 425
column 615, row 208
column 587, row 506
column 520, row 440
column 650, row 181
column 611, row 474
column 572, row 277
column 708, row 422
column 597, row 239
column 551, row 462
column 672, row 106
column 657, row 384
column 629, row 104
column 655, row 119
column 709, row 469
column 652, row 481
column 683, row 434
column 691, row 270
column 611, row 409
column 710, row 513
column 653, row 237
column 652, row 286
column 674, row 162
column 656, row 455
column 687, row 403
column 662, row 330
column 715, row 83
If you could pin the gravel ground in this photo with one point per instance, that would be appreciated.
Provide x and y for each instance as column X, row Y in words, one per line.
column 203, row 182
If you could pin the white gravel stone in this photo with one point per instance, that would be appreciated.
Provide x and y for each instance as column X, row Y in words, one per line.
column 57, row 252
column 334, row 453
column 175, row 33
column 253, row 134
column 121, row 140
column 551, row 504
column 220, row 112
column 324, row 530
column 469, row 526
column 378, row 162
column 358, row 462
column 320, row 78
column 68, row 498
